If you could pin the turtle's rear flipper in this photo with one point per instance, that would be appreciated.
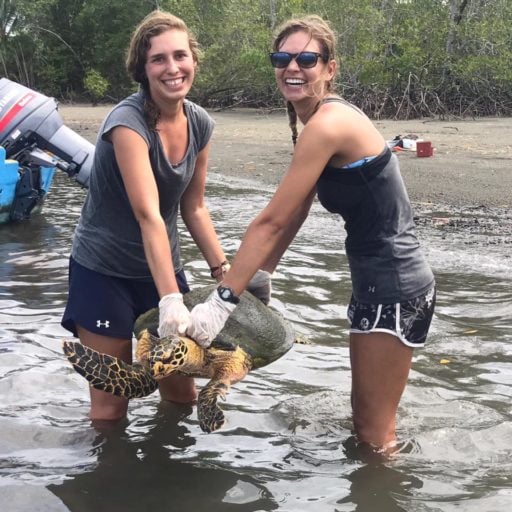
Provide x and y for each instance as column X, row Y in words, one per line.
column 108, row 373
column 209, row 414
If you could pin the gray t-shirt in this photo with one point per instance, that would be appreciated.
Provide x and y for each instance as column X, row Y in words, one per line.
column 108, row 237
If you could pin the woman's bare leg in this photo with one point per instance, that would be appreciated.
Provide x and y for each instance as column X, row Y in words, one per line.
column 178, row 388
column 105, row 406
column 380, row 367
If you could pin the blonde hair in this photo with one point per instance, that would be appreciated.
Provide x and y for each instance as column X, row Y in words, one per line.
column 319, row 30
column 154, row 24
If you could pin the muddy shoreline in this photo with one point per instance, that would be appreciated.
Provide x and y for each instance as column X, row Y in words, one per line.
column 467, row 183
column 471, row 165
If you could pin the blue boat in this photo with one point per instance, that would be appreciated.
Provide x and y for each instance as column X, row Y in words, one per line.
column 34, row 143
column 22, row 191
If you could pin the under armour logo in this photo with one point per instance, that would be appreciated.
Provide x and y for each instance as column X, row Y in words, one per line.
column 106, row 323
column 371, row 289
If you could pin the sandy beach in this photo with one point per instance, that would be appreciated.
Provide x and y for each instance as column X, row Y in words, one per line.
column 471, row 165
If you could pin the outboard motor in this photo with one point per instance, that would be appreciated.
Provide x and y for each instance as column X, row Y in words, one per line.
column 30, row 126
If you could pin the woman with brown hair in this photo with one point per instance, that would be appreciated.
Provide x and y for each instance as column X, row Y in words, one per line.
column 150, row 165
column 341, row 156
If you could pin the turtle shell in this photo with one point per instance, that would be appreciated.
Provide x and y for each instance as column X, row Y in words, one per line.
column 259, row 330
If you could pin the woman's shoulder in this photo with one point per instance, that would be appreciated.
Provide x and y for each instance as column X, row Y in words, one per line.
column 344, row 129
column 340, row 116
column 196, row 111
column 337, row 106
column 201, row 122
column 129, row 112
column 133, row 103
column 339, row 100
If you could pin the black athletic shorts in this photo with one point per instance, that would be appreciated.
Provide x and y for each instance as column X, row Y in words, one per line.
column 109, row 305
column 409, row 321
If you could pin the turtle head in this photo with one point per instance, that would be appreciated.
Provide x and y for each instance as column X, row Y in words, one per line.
column 166, row 356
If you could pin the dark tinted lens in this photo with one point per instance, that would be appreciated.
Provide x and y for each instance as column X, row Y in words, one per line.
column 280, row 59
column 307, row 59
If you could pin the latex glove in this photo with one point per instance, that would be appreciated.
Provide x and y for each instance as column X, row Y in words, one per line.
column 208, row 319
column 174, row 316
column 261, row 286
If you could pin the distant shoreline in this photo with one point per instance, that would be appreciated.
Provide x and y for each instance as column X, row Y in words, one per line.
column 471, row 166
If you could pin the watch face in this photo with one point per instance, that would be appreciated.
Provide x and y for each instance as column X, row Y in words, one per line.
column 227, row 294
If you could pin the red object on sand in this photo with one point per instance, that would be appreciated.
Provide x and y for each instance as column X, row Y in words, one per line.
column 424, row 148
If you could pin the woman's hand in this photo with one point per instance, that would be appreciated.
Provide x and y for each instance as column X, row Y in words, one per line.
column 208, row 319
column 261, row 286
column 174, row 317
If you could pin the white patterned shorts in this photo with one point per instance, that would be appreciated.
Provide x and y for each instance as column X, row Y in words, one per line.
column 409, row 321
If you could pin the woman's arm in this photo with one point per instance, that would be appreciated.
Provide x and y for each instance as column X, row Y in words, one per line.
column 272, row 231
column 269, row 234
column 132, row 158
column 287, row 237
column 196, row 216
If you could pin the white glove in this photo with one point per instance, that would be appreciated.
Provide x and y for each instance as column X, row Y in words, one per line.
column 208, row 319
column 174, row 316
column 261, row 286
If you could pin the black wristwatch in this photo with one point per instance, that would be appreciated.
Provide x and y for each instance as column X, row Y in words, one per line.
column 227, row 294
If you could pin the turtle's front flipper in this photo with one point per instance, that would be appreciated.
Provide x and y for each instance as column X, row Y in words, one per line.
column 108, row 373
column 226, row 368
column 209, row 413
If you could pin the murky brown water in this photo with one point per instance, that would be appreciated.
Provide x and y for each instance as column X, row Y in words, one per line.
column 287, row 444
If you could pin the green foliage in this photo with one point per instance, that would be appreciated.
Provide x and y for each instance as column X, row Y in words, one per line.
column 95, row 85
column 401, row 58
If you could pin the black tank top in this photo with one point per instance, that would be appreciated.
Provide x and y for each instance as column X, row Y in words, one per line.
column 386, row 262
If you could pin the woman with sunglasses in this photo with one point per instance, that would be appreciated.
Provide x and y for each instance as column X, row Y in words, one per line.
column 150, row 163
column 341, row 156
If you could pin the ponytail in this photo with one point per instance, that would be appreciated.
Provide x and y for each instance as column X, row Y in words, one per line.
column 292, row 120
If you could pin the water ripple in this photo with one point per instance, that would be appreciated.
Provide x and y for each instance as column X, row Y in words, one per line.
column 285, row 443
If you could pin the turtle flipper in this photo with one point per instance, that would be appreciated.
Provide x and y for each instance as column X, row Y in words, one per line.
column 209, row 413
column 108, row 373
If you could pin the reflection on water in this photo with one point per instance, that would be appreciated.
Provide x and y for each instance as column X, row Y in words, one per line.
column 137, row 468
column 287, row 444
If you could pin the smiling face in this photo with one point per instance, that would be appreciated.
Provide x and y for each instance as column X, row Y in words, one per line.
column 296, row 83
column 170, row 66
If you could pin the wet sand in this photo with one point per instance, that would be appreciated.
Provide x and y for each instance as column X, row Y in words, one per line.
column 471, row 166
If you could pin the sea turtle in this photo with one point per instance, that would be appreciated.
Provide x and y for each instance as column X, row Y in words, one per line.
column 254, row 336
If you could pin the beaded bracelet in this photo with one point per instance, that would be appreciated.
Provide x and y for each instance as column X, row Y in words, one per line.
column 220, row 270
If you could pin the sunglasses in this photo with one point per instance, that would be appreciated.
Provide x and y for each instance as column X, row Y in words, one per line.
column 303, row 59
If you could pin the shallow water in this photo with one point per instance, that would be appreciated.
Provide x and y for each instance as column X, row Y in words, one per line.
column 287, row 444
